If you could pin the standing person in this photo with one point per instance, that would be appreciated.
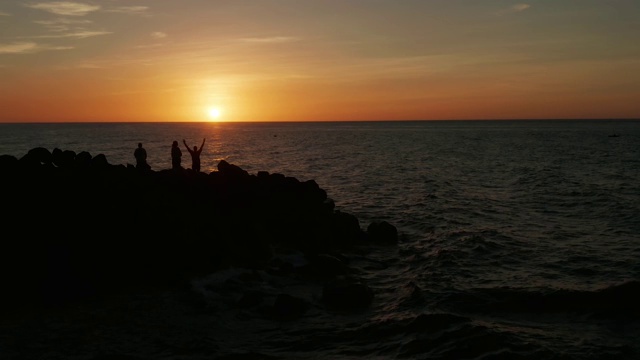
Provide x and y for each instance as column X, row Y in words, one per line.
column 176, row 156
column 195, row 155
column 141, row 158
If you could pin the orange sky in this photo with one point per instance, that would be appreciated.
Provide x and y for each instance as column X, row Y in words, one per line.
column 289, row 60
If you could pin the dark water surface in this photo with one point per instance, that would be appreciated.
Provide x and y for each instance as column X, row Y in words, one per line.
column 519, row 240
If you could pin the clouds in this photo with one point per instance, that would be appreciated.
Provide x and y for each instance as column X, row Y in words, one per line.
column 158, row 35
column 520, row 7
column 59, row 24
column 270, row 40
column 69, row 8
column 62, row 24
column 17, row 48
column 28, row 48
column 514, row 9
column 65, row 27
column 81, row 34
column 66, row 8
column 133, row 10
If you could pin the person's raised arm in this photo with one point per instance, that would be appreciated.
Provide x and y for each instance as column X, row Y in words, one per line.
column 202, row 143
column 187, row 146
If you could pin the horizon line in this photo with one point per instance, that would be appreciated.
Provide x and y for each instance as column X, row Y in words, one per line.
column 311, row 121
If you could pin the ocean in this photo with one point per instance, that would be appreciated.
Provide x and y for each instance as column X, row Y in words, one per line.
column 518, row 240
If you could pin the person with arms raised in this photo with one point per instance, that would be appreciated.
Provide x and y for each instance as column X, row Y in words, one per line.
column 195, row 155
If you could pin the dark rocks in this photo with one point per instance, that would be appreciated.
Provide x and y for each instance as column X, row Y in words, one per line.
column 288, row 307
column 8, row 162
column 251, row 299
column 83, row 159
column 63, row 159
column 326, row 266
column 382, row 232
column 345, row 229
column 345, row 293
column 118, row 226
column 231, row 170
column 40, row 155
column 36, row 157
column 99, row 161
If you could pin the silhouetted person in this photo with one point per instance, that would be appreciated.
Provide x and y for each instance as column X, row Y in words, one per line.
column 176, row 156
column 141, row 158
column 195, row 155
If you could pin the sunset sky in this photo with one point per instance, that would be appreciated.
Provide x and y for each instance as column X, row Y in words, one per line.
column 317, row 60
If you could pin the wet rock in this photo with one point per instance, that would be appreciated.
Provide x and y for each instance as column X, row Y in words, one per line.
column 345, row 229
column 382, row 232
column 250, row 299
column 288, row 307
column 346, row 294
column 326, row 266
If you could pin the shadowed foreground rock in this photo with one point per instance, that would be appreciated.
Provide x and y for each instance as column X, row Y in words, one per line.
column 75, row 225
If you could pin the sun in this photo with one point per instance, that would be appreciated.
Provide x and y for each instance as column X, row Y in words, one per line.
column 214, row 113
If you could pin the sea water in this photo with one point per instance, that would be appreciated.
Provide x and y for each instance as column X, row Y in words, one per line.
column 518, row 240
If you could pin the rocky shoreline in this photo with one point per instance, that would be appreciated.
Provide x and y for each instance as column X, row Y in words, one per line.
column 75, row 227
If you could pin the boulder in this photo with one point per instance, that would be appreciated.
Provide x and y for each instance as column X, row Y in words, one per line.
column 8, row 162
column 83, row 159
column 326, row 266
column 382, row 232
column 250, row 299
column 345, row 293
column 231, row 170
column 63, row 159
column 345, row 228
column 288, row 307
column 40, row 155
column 99, row 162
